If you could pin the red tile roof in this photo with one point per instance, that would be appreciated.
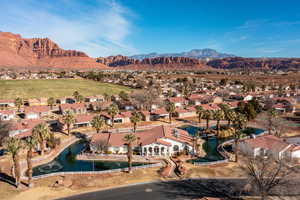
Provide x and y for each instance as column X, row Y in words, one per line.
column 267, row 142
column 177, row 99
column 36, row 109
column 146, row 137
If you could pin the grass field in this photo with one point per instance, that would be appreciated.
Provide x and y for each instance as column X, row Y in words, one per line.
column 11, row 89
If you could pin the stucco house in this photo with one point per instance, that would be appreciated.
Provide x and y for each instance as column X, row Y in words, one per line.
column 187, row 112
column 6, row 115
column 36, row 112
column 158, row 141
column 269, row 145
column 77, row 108
column 23, row 128
column 7, row 103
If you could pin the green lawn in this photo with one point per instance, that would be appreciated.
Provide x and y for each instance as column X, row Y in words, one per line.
column 11, row 89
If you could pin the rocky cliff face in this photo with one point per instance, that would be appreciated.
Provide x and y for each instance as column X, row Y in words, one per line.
column 256, row 63
column 16, row 51
column 119, row 61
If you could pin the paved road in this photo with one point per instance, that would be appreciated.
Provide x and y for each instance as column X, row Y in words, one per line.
column 172, row 190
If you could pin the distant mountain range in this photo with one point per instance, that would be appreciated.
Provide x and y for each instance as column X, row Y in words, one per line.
column 195, row 53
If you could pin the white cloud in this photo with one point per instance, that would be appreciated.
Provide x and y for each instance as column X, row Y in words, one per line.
column 100, row 29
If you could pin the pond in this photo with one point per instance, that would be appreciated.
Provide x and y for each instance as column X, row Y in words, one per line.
column 211, row 143
column 66, row 162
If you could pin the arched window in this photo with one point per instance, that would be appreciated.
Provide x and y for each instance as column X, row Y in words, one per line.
column 162, row 149
column 156, row 150
column 150, row 149
column 145, row 150
column 175, row 148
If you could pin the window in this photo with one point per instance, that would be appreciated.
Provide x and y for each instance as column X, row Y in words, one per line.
column 176, row 148
column 156, row 150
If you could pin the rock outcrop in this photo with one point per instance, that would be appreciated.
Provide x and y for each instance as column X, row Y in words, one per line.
column 177, row 63
column 16, row 51
column 256, row 63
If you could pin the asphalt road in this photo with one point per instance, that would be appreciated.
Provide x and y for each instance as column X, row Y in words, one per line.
column 172, row 190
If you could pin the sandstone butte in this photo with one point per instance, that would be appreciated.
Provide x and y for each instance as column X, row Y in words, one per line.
column 42, row 53
column 17, row 52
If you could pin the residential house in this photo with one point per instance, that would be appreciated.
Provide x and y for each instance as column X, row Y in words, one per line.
column 7, row 103
column 158, row 141
column 6, row 115
column 36, row 112
column 81, row 120
column 178, row 101
column 269, row 145
column 97, row 98
column 77, row 108
column 186, row 112
column 159, row 113
column 23, row 128
column 120, row 118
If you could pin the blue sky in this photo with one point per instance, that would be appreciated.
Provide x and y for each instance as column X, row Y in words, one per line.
column 256, row 28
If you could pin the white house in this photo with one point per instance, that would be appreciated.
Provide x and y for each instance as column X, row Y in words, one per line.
column 270, row 145
column 158, row 141
column 6, row 115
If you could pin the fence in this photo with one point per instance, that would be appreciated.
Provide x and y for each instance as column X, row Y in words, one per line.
column 97, row 172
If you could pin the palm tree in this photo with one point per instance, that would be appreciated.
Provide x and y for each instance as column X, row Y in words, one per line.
column 113, row 110
column 76, row 95
column 135, row 118
column 68, row 119
column 30, row 143
column 240, row 123
column 129, row 139
column 208, row 116
column 170, row 108
column 51, row 102
column 97, row 123
column 200, row 112
column 41, row 132
column 230, row 116
column 19, row 102
column 13, row 146
column 218, row 116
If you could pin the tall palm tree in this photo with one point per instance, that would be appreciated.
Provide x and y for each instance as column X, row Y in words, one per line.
column 170, row 108
column 208, row 116
column 113, row 110
column 68, row 119
column 97, row 123
column 13, row 146
column 41, row 132
column 200, row 112
column 31, row 143
column 135, row 118
column 218, row 116
column 230, row 116
column 19, row 102
column 240, row 123
column 129, row 139
column 51, row 102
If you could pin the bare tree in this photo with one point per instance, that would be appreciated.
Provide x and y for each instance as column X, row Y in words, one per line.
column 267, row 176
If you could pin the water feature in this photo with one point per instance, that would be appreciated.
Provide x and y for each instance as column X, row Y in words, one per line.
column 210, row 145
column 66, row 162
